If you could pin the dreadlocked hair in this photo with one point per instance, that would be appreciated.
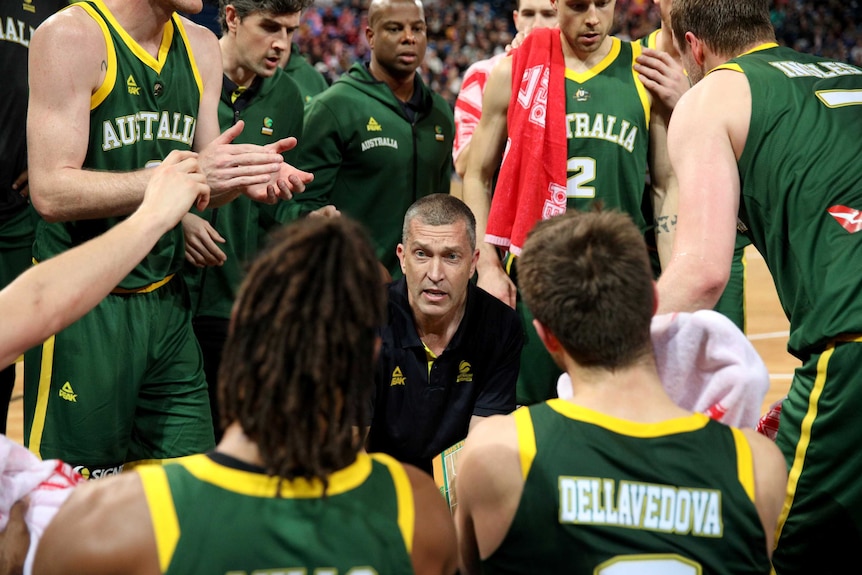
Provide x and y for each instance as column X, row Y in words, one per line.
column 297, row 370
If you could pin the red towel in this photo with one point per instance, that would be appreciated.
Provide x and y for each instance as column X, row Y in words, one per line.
column 532, row 181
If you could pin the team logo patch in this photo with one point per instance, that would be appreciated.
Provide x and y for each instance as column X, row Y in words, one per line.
column 850, row 219
column 438, row 134
column 465, row 373
column 581, row 95
column 397, row 377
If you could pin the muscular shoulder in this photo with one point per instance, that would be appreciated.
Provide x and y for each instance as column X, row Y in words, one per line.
column 103, row 527
column 204, row 46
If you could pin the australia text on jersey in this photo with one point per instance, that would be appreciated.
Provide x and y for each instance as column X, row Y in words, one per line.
column 164, row 125
column 16, row 31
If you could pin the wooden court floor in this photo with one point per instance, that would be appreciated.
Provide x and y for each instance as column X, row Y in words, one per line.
column 767, row 329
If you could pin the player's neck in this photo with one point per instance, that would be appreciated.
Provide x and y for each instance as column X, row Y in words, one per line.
column 143, row 20
column 664, row 42
column 237, row 444
column 633, row 393
column 402, row 87
column 237, row 73
column 580, row 60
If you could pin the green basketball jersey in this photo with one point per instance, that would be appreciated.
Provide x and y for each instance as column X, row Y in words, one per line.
column 801, row 181
column 145, row 108
column 607, row 496
column 214, row 514
column 607, row 127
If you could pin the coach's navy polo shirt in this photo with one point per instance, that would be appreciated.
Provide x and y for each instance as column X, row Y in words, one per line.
column 416, row 415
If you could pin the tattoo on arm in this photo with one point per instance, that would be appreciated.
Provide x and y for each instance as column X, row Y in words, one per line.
column 665, row 224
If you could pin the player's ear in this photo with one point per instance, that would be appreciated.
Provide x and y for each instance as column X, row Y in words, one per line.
column 550, row 341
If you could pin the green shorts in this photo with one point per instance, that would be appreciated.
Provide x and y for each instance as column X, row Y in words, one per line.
column 16, row 245
column 732, row 300
column 125, row 383
column 820, row 528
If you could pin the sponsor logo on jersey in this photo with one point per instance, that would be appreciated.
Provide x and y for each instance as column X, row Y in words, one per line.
column 464, row 373
column 133, row 87
column 850, row 219
column 601, row 127
column 28, row 6
column 67, row 393
column 147, row 126
column 667, row 508
column 397, row 377
column 379, row 141
column 97, row 472
column 373, row 126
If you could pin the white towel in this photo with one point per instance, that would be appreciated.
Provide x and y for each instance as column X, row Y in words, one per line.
column 46, row 483
column 706, row 364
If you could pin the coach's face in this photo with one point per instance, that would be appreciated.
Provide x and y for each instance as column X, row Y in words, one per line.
column 397, row 37
column 437, row 262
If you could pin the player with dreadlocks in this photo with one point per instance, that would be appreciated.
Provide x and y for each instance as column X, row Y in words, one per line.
column 289, row 487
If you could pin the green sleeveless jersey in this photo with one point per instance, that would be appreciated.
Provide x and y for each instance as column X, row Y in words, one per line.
column 145, row 108
column 801, row 179
column 605, row 496
column 214, row 514
column 607, row 127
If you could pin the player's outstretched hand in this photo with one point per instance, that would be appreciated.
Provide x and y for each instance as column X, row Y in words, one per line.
column 175, row 185
column 230, row 167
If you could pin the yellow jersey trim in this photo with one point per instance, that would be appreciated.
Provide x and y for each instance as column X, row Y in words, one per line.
column 163, row 514
column 198, row 80
column 736, row 67
column 582, row 77
column 404, row 496
column 146, row 289
column 260, row 485
column 43, row 391
column 643, row 94
column 691, row 422
column 526, row 439
column 744, row 462
column 111, row 73
column 805, row 432
column 144, row 56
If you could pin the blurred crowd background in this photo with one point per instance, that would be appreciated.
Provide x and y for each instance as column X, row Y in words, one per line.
column 459, row 33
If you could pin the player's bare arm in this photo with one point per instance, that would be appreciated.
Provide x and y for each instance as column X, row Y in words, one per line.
column 48, row 297
column 435, row 550
column 104, row 527
column 705, row 139
column 486, row 153
column 489, row 487
column 770, row 482
column 67, row 65
column 664, row 188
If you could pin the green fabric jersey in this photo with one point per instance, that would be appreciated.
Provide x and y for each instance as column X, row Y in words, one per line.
column 145, row 108
column 310, row 81
column 271, row 112
column 802, row 188
column 607, row 127
column 214, row 514
column 604, row 495
column 369, row 160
